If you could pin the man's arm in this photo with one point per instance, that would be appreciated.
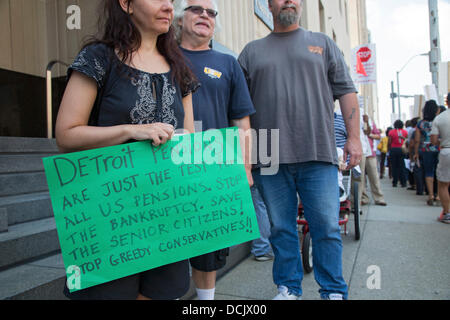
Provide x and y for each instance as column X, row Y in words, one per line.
column 434, row 138
column 417, row 136
column 246, row 144
column 367, row 128
column 350, row 112
column 375, row 134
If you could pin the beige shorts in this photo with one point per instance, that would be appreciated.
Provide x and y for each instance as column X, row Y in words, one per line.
column 443, row 168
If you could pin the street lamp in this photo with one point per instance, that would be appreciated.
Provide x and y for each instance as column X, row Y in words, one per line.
column 398, row 80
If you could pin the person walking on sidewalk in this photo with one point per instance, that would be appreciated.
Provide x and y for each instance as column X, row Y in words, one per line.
column 397, row 137
column 222, row 101
column 294, row 75
column 425, row 150
column 383, row 147
column 414, row 185
column 440, row 134
column 371, row 167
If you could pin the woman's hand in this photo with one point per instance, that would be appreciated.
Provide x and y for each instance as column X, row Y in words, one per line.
column 158, row 132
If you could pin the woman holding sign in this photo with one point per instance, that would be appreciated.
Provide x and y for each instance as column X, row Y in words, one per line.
column 129, row 84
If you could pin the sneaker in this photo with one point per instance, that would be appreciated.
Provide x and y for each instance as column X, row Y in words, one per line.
column 444, row 218
column 284, row 294
column 334, row 296
column 264, row 257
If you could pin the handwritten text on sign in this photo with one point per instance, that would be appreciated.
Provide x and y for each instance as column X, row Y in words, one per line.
column 130, row 208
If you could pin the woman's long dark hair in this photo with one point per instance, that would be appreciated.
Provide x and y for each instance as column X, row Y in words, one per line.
column 117, row 31
column 429, row 110
column 398, row 124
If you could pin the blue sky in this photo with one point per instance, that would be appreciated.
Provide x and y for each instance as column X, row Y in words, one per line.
column 400, row 29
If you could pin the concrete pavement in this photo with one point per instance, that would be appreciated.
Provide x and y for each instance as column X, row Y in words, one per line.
column 402, row 243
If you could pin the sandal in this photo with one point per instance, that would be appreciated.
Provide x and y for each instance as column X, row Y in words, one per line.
column 430, row 202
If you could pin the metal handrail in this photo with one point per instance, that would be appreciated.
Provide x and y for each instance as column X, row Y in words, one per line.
column 48, row 77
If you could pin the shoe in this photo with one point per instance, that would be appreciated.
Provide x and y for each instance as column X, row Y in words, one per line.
column 364, row 203
column 264, row 257
column 381, row 203
column 430, row 202
column 334, row 296
column 284, row 294
column 444, row 218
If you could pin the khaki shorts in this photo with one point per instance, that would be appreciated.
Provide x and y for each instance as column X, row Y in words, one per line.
column 443, row 169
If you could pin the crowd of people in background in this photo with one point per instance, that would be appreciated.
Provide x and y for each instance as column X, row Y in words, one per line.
column 416, row 153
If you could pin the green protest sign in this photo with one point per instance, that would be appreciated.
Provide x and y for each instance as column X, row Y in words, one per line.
column 129, row 208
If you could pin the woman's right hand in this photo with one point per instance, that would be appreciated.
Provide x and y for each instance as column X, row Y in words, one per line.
column 158, row 132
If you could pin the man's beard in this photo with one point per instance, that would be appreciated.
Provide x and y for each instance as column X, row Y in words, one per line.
column 288, row 18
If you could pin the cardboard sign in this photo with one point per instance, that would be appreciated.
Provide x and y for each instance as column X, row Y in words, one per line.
column 129, row 208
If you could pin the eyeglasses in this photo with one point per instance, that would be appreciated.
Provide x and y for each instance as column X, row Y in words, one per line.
column 199, row 10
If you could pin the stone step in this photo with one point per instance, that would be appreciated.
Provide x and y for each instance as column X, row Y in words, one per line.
column 27, row 207
column 42, row 279
column 28, row 240
column 24, row 162
column 22, row 145
column 3, row 220
column 22, row 183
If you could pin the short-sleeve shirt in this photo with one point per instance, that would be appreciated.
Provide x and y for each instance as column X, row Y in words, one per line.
column 294, row 78
column 398, row 136
column 129, row 96
column 340, row 131
column 375, row 131
column 425, row 137
column 223, row 95
column 441, row 127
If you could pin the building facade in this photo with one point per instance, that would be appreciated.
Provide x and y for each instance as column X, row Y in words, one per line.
column 360, row 35
column 37, row 32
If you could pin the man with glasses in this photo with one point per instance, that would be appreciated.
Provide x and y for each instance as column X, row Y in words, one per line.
column 294, row 76
column 222, row 101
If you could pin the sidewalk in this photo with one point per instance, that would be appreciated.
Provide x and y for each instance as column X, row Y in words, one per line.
column 404, row 240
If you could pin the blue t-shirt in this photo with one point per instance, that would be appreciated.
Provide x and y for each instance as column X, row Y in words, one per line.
column 223, row 95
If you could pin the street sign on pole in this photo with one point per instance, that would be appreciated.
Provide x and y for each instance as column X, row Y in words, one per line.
column 363, row 64
column 393, row 96
column 435, row 50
